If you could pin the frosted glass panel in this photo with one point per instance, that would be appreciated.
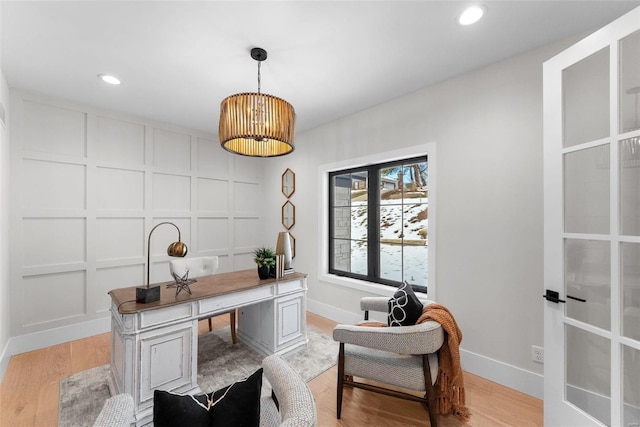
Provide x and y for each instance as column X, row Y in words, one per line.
column 586, row 99
column 587, row 276
column 586, row 187
column 630, row 186
column 630, row 255
column 588, row 370
column 631, row 386
column 630, row 83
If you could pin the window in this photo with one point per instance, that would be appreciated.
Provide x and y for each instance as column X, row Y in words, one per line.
column 378, row 222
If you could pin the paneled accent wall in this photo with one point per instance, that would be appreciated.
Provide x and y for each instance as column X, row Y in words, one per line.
column 88, row 186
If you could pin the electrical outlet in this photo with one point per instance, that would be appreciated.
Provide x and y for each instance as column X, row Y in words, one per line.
column 537, row 354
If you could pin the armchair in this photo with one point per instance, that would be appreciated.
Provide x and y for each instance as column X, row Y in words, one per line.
column 401, row 356
column 198, row 267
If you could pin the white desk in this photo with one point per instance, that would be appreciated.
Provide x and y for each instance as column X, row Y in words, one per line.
column 155, row 345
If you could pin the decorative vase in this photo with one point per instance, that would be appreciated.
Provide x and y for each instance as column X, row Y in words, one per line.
column 283, row 246
column 263, row 272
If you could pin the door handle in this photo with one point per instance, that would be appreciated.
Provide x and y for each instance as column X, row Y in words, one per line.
column 553, row 296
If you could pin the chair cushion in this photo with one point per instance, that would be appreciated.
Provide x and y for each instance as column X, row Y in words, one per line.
column 402, row 370
column 235, row 405
column 404, row 307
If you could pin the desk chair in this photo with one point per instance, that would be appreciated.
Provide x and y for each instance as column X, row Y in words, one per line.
column 198, row 267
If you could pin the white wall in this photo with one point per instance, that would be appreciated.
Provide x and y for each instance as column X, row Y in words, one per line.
column 87, row 187
column 487, row 127
column 4, row 225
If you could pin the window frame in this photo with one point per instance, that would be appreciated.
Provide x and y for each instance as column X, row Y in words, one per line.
column 427, row 150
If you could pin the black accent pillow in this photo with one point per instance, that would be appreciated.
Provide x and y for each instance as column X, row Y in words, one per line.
column 238, row 405
column 404, row 307
column 170, row 410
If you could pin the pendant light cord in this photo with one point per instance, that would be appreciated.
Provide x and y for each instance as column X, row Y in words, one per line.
column 259, row 77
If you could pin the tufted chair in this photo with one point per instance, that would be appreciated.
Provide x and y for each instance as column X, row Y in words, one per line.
column 198, row 267
column 401, row 356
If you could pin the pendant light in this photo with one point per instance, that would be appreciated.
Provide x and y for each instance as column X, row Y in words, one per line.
column 257, row 124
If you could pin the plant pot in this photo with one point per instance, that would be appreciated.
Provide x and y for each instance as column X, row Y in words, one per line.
column 263, row 272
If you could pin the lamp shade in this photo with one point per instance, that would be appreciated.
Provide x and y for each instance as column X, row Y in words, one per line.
column 257, row 125
column 177, row 249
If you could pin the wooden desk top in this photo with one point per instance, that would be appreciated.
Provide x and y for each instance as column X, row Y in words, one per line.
column 204, row 287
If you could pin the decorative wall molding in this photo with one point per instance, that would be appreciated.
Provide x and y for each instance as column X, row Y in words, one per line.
column 87, row 187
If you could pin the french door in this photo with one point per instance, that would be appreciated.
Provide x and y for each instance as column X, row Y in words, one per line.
column 592, row 229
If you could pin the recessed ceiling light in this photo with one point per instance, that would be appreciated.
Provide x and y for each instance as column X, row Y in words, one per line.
column 109, row 79
column 471, row 15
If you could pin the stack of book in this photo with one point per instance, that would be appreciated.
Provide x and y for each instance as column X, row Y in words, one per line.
column 279, row 269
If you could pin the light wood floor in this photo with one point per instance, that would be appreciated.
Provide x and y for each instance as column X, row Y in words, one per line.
column 29, row 392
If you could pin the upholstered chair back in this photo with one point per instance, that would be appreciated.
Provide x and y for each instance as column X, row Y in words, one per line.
column 197, row 266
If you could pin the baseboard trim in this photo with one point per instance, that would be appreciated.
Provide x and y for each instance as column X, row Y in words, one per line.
column 49, row 337
column 334, row 313
column 502, row 373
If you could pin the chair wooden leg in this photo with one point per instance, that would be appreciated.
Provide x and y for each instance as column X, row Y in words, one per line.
column 232, row 325
column 210, row 325
column 430, row 393
column 340, row 379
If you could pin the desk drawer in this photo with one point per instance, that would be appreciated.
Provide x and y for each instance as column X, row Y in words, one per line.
column 235, row 299
column 286, row 287
column 157, row 317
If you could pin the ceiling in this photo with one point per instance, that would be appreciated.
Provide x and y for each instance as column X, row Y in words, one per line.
column 178, row 59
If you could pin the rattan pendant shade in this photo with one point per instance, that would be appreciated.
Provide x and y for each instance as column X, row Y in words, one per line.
column 256, row 124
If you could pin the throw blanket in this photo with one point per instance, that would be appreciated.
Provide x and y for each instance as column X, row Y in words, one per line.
column 450, row 397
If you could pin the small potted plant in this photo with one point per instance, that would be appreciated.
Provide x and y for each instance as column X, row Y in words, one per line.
column 265, row 258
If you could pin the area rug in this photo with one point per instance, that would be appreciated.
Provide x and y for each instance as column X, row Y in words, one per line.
column 220, row 363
